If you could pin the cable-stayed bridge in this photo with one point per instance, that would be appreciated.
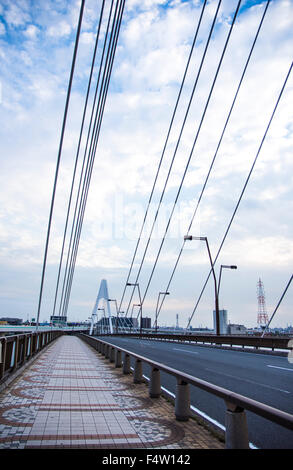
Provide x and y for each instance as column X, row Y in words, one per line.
column 235, row 384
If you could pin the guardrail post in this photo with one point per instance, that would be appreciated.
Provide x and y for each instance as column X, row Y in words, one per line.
column 118, row 361
column 112, row 354
column 155, row 383
column 126, row 364
column 29, row 346
column 236, row 427
column 3, row 357
column 15, row 350
column 107, row 351
column 137, row 376
column 182, row 401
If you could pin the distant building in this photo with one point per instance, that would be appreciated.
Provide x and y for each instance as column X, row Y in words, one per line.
column 146, row 322
column 223, row 315
column 58, row 321
column 12, row 321
column 234, row 329
column 123, row 322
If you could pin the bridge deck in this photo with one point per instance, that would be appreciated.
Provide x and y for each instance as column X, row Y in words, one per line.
column 71, row 397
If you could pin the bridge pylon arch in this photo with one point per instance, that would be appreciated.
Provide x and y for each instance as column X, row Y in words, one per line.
column 102, row 295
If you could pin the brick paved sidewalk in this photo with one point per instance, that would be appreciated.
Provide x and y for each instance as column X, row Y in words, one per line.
column 72, row 397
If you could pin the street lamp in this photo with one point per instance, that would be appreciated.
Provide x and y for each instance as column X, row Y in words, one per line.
column 136, row 284
column 156, row 323
column 190, row 237
column 134, row 305
column 114, row 300
column 119, row 311
column 102, row 308
column 224, row 266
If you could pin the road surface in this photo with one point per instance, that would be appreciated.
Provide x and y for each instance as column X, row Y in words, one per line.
column 265, row 378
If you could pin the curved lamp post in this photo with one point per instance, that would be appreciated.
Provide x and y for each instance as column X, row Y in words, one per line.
column 156, row 323
column 136, row 284
column 190, row 237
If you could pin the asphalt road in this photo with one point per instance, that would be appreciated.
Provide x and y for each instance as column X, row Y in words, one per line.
column 265, row 378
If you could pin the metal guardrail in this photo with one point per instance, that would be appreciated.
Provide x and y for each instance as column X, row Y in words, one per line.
column 33, row 328
column 256, row 342
column 236, row 434
column 16, row 350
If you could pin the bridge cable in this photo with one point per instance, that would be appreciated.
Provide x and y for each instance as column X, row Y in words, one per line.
column 273, row 314
column 59, row 158
column 85, row 160
column 96, row 127
column 214, row 158
column 242, row 192
column 77, row 154
column 176, row 148
column 193, row 146
column 106, row 79
column 163, row 152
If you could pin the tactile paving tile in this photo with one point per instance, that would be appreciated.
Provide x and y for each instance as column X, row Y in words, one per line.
column 72, row 397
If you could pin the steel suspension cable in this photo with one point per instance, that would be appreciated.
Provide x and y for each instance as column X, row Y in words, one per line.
column 97, row 132
column 79, row 227
column 84, row 165
column 274, row 312
column 214, row 158
column 77, row 153
column 105, row 81
column 88, row 167
column 59, row 158
column 192, row 150
column 243, row 190
column 163, row 152
column 175, row 152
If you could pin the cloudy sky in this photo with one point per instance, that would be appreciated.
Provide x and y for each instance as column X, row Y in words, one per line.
column 36, row 46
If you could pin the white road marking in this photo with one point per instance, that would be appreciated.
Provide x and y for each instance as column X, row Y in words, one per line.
column 249, row 381
column 185, row 350
column 277, row 367
column 199, row 412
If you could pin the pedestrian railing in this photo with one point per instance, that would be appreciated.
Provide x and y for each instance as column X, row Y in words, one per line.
column 16, row 350
column 236, row 434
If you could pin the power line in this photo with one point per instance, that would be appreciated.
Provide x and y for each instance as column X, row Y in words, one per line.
column 243, row 190
column 215, row 155
column 59, row 158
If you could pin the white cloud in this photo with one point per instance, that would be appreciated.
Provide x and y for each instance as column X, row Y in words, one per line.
column 61, row 29
column 31, row 32
column 2, row 29
column 17, row 14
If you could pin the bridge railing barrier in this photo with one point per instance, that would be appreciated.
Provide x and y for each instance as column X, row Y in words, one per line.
column 236, row 433
column 16, row 350
column 255, row 343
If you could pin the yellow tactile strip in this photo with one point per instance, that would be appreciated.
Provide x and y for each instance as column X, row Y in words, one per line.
column 72, row 397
